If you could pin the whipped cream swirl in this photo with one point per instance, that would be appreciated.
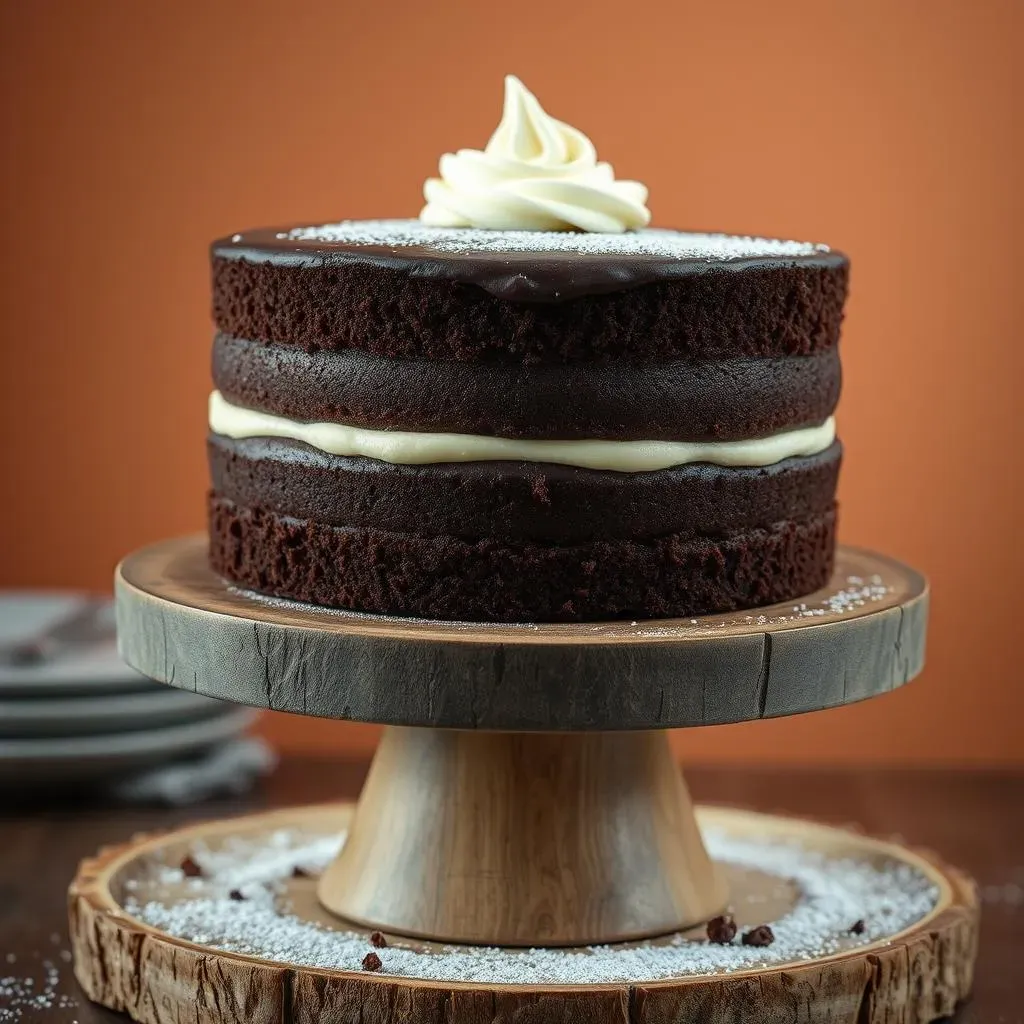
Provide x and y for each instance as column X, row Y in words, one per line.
column 535, row 174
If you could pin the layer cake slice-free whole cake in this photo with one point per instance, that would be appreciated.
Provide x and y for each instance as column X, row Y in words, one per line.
column 526, row 405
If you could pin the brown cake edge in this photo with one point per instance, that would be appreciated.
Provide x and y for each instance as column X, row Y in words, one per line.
column 443, row 577
column 518, row 502
column 678, row 400
column 769, row 309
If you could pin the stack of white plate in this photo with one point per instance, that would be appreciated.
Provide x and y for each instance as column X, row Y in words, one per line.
column 76, row 714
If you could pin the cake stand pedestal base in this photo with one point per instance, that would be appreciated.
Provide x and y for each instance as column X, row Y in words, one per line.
column 524, row 839
column 524, row 794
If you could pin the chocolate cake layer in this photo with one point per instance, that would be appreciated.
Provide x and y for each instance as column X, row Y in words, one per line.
column 415, row 302
column 516, row 501
column 681, row 400
column 444, row 577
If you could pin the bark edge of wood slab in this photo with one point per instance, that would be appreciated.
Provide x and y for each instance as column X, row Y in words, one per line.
column 181, row 624
column 919, row 974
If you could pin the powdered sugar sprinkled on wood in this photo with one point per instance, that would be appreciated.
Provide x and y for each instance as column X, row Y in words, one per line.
column 889, row 896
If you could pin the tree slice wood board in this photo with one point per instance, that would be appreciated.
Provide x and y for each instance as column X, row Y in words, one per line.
column 181, row 624
column 916, row 974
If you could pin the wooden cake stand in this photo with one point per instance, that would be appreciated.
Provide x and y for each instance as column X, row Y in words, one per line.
column 524, row 795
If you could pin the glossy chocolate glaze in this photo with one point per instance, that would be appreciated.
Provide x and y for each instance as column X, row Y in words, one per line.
column 515, row 276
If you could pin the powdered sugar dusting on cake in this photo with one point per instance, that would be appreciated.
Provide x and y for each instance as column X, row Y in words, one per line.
column 682, row 245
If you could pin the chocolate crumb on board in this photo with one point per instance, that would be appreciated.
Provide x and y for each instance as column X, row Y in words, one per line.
column 721, row 930
column 378, row 940
column 372, row 962
column 857, row 928
column 190, row 868
column 236, row 895
column 762, row 935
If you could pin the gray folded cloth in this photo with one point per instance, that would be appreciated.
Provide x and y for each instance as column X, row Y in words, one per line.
column 226, row 770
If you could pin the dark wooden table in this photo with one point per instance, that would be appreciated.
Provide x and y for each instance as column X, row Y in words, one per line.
column 975, row 819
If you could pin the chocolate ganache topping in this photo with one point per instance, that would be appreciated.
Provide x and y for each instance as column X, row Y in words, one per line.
column 520, row 266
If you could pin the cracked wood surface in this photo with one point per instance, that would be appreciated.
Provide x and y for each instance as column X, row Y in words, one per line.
column 181, row 624
column 916, row 977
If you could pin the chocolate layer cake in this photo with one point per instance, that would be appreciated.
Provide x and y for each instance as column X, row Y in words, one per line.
column 500, row 425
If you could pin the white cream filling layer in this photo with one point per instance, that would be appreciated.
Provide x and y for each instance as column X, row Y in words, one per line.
column 413, row 448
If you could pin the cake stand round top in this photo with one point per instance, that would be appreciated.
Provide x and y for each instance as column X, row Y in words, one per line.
column 862, row 635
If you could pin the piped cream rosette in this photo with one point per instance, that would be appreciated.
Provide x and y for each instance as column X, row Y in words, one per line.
column 535, row 174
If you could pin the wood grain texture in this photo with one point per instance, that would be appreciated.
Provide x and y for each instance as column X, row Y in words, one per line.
column 181, row 624
column 524, row 839
column 916, row 976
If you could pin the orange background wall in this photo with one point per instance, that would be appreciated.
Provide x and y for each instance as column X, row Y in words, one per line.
column 135, row 132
